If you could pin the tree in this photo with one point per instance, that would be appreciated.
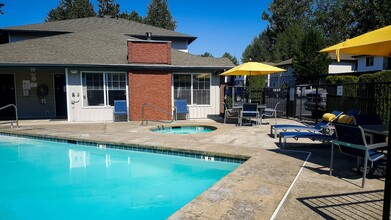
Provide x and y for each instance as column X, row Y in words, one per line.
column 133, row 16
column 1, row 5
column 308, row 63
column 206, row 54
column 108, row 7
column 230, row 57
column 260, row 49
column 159, row 15
column 71, row 9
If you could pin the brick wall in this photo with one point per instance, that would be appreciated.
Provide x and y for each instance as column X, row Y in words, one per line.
column 153, row 88
column 156, row 52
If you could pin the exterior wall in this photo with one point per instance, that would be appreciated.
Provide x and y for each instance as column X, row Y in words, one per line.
column 76, row 111
column 29, row 105
column 202, row 112
column 378, row 64
column 277, row 79
column 180, row 45
column 153, row 88
column 342, row 67
column 156, row 52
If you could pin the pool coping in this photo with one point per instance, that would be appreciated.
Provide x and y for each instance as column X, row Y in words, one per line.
column 202, row 155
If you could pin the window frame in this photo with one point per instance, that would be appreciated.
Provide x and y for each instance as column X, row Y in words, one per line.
column 192, row 88
column 105, row 75
column 369, row 61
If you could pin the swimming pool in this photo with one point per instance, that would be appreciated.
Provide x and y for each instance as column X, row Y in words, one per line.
column 52, row 180
column 184, row 129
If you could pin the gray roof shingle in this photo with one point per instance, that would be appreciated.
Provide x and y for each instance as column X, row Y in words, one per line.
column 99, row 23
column 98, row 47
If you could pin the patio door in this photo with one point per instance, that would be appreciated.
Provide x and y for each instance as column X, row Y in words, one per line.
column 7, row 96
column 60, row 95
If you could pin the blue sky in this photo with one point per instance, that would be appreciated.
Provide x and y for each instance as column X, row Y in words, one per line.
column 219, row 25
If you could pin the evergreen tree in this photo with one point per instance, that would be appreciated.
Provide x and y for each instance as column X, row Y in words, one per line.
column 159, row 15
column 308, row 63
column 230, row 57
column 260, row 49
column 133, row 16
column 206, row 54
column 71, row 9
column 108, row 7
column 1, row 6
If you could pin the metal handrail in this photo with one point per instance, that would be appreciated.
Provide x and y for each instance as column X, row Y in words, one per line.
column 157, row 108
column 16, row 113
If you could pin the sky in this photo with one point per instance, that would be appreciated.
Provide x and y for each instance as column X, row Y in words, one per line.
column 219, row 25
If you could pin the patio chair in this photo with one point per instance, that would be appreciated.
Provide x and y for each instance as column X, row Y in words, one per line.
column 180, row 107
column 370, row 120
column 230, row 113
column 250, row 110
column 271, row 112
column 350, row 140
column 120, row 109
column 327, row 119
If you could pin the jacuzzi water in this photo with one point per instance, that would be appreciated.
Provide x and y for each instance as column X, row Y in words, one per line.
column 52, row 180
column 183, row 129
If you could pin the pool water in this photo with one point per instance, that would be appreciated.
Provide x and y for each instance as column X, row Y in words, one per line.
column 52, row 180
column 183, row 129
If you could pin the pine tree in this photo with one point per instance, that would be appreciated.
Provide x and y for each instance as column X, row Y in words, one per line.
column 230, row 57
column 71, row 9
column 308, row 63
column 108, row 7
column 159, row 15
column 133, row 16
column 1, row 5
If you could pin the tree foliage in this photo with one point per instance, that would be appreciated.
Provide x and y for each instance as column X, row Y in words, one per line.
column 1, row 6
column 71, row 9
column 159, row 15
column 232, row 58
column 133, row 16
column 308, row 63
column 108, row 7
column 206, row 54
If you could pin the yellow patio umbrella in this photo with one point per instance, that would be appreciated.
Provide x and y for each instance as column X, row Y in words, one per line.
column 252, row 68
column 375, row 43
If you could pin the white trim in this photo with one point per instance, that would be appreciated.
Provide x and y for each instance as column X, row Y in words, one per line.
column 105, row 90
column 68, row 95
column 191, row 88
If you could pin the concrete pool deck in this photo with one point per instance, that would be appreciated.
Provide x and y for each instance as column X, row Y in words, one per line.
column 261, row 188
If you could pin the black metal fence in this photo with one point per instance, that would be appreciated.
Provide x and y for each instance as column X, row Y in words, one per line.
column 311, row 101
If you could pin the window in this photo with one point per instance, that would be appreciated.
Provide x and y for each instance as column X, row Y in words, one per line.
column 101, row 89
column 369, row 61
column 195, row 88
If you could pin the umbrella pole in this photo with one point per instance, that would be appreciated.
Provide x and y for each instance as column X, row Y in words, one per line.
column 387, row 184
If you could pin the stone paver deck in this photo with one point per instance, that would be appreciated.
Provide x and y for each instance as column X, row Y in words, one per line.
column 256, row 188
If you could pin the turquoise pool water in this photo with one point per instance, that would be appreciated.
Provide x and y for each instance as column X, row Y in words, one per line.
column 52, row 180
column 183, row 129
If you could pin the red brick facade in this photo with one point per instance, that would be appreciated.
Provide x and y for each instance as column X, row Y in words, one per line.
column 153, row 88
column 152, row 52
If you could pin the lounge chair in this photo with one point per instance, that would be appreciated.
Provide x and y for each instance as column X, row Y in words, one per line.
column 250, row 110
column 326, row 120
column 351, row 141
column 181, row 108
column 296, row 135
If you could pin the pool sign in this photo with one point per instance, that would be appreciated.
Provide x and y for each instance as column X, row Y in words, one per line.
column 339, row 90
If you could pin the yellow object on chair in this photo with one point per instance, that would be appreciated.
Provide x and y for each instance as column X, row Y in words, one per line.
column 328, row 117
column 345, row 119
